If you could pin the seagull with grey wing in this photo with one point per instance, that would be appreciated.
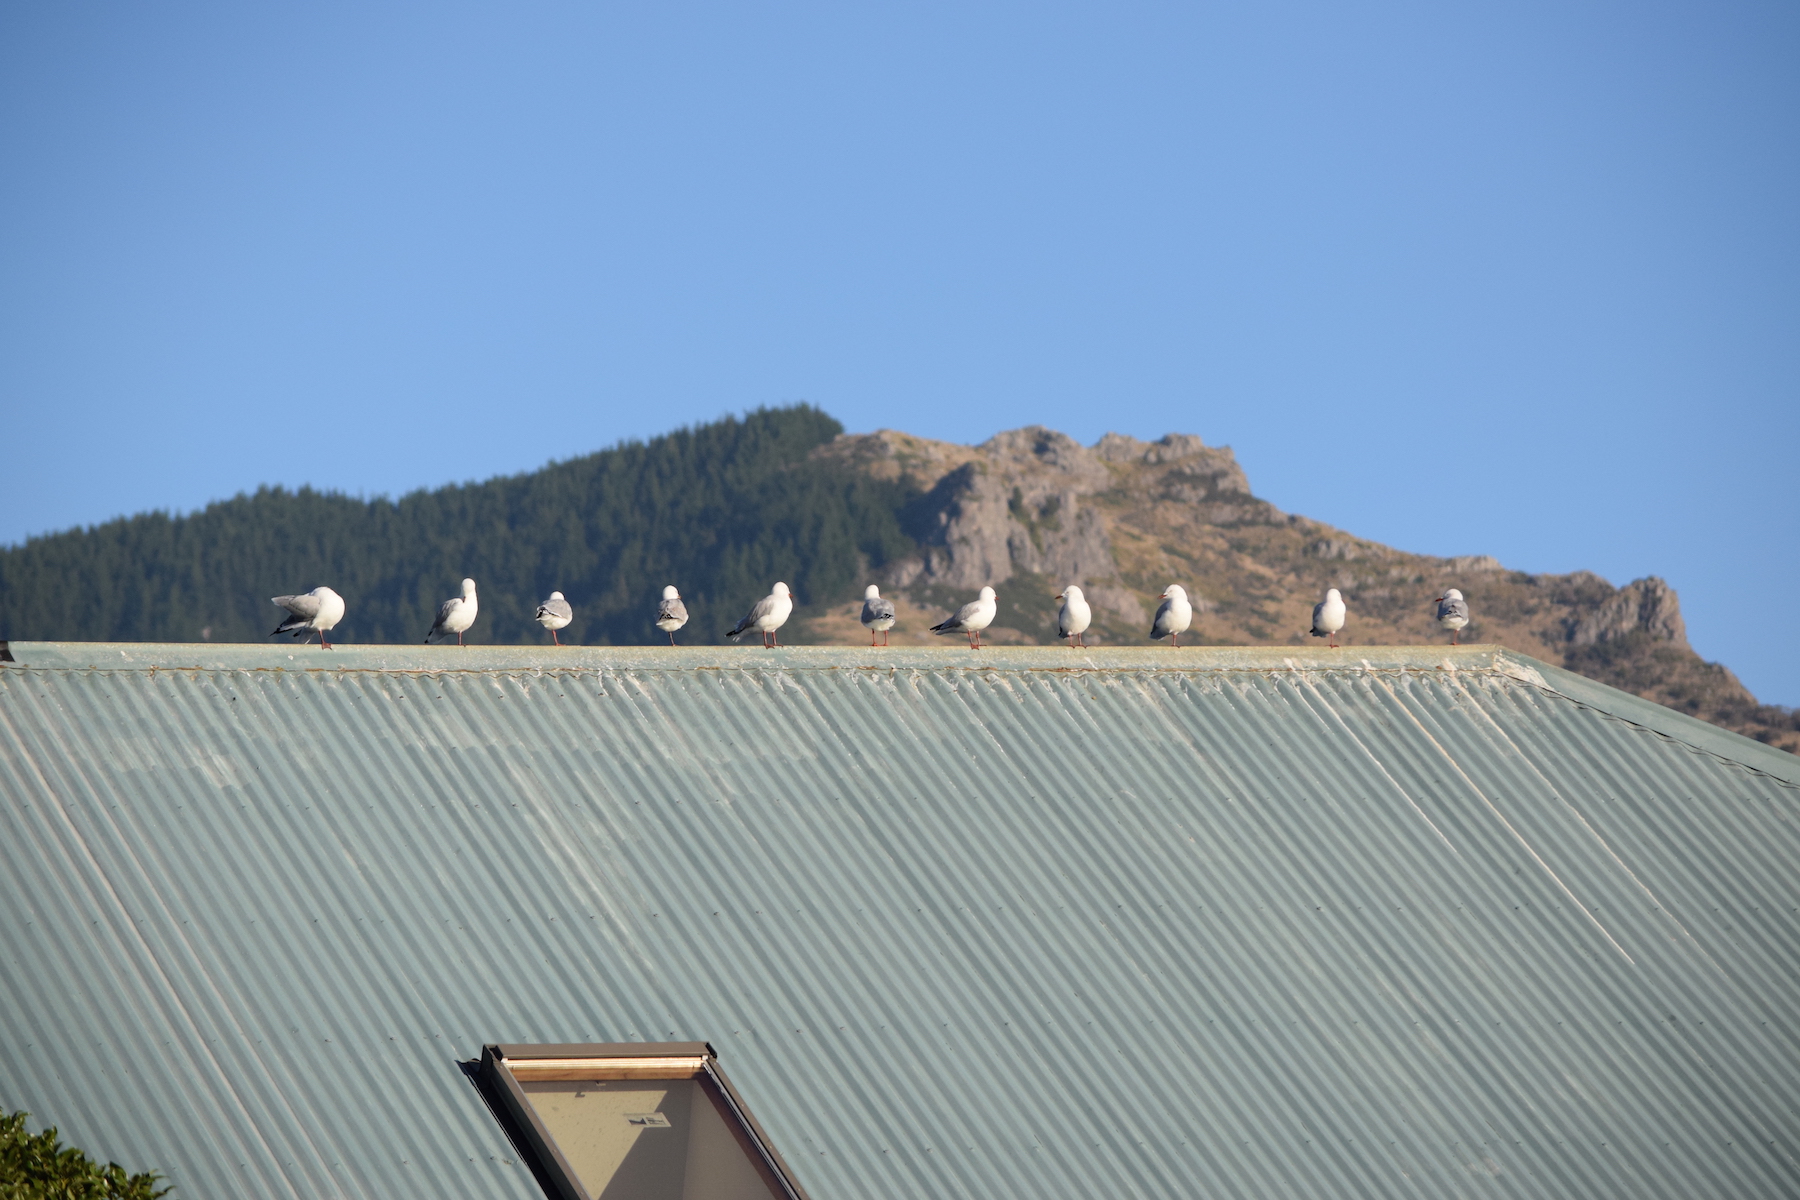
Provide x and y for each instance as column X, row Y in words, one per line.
column 671, row 614
column 877, row 614
column 318, row 611
column 554, row 614
column 766, row 616
column 1074, row 618
column 1452, row 613
column 455, row 615
column 972, row 618
column 1173, row 615
column 1328, row 617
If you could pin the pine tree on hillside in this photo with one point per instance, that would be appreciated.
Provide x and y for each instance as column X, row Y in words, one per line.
column 720, row 510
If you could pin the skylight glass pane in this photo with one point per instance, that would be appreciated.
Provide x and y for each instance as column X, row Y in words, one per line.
column 648, row 1139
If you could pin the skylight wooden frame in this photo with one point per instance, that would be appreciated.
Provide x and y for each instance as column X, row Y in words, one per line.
column 504, row 1066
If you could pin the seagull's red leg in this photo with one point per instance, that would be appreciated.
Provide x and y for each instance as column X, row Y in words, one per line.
column 554, row 638
column 671, row 637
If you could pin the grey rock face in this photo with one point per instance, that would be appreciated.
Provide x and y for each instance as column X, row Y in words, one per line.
column 1017, row 507
column 1024, row 504
column 1648, row 604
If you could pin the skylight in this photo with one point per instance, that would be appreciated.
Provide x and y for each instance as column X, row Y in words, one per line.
column 634, row 1121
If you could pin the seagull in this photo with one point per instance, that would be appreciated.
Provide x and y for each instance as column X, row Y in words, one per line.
column 1452, row 613
column 671, row 614
column 972, row 618
column 1328, row 617
column 554, row 614
column 1173, row 615
column 766, row 616
column 316, row 612
column 1075, row 616
column 877, row 614
column 456, row 614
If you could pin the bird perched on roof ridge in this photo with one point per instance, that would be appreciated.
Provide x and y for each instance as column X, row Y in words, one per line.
column 1452, row 613
column 456, row 614
column 554, row 614
column 766, row 616
column 1075, row 616
column 1328, row 617
column 318, row 611
column 1173, row 615
column 877, row 614
column 972, row 618
column 671, row 614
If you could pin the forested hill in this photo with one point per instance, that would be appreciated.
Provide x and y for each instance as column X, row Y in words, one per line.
column 721, row 511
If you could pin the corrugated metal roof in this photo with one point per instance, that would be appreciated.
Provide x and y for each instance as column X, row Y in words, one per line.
column 1421, row 922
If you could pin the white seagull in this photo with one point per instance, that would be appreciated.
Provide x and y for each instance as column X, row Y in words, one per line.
column 1075, row 616
column 316, row 612
column 455, row 615
column 554, row 614
column 1173, row 615
column 671, row 614
column 1452, row 613
column 972, row 618
column 877, row 614
column 1328, row 617
column 766, row 616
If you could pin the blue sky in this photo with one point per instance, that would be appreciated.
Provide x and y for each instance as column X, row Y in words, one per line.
column 1520, row 280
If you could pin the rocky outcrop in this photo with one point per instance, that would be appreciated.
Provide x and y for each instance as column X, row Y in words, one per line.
column 1646, row 605
column 1031, row 510
column 1019, row 503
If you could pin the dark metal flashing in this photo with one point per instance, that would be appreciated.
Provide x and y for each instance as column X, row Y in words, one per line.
column 488, row 1086
column 606, row 1050
column 772, row 1161
column 526, row 1131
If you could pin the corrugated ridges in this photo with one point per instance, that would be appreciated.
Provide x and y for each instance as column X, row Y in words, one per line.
column 1138, row 932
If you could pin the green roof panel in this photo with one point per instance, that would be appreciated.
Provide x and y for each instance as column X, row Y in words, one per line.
column 1024, row 922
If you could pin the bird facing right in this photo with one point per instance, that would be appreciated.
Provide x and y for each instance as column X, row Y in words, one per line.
column 671, row 614
column 1453, row 613
column 1075, row 616
column 455, row 615
column 877, row 614
column 1328, row 617
column 554, row 614
column 1173, row 615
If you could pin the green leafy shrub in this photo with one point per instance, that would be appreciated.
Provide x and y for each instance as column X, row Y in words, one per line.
column 39, row 1167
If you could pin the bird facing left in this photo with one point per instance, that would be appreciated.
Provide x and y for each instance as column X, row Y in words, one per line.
column 316, row 612
column 554, row 614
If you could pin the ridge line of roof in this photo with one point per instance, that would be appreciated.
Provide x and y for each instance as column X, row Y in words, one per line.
column 1658, row 719
column 116, row 658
